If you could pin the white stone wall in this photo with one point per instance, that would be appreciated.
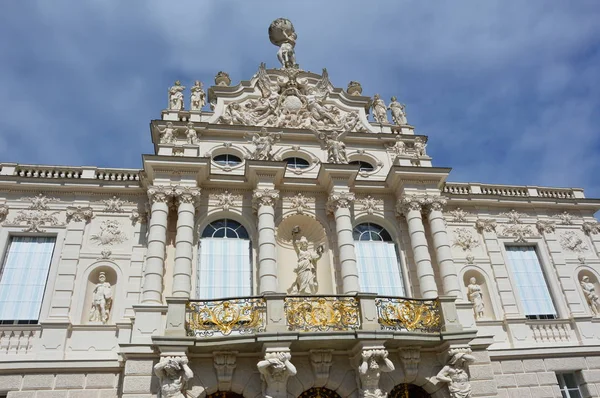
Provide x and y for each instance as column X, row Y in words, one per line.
column 61, row 385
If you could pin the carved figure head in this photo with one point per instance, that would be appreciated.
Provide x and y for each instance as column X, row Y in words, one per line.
column 190, row 125
column 473, row 281
column 585, row 279
column 198, row 83
column 172, row 368
column 102, row 277
column 177, row 83
column 303, row 243
column 169, row 125
column 393, row 99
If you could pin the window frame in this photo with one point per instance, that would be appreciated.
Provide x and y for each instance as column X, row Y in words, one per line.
column 227, row 162
column 304, row 167
column 360, row 163
column 566, row 390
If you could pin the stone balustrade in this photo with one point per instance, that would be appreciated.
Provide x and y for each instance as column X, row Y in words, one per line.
column 67, row 172
column 454, row 188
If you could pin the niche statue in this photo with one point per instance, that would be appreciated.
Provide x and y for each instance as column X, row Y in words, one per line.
column 306, row 270
column 476, row 297
column 102, row 300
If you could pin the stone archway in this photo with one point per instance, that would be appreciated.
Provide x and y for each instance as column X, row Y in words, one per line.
column 408, row 391
column 319, row 392
column 224, row 394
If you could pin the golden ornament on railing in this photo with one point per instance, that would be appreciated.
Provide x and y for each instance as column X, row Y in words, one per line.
column 244, row 315
column 396, row 313
column 320, row 314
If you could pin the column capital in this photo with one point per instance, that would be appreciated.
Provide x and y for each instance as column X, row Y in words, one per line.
column 338, row 200
column 183, row 194
column 435, row 203
column 264, row 197
column 410, row 203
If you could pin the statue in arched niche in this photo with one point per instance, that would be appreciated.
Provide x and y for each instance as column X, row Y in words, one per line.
column 590, row 294
column 306, row 269
column 101, row 300
column 476, row 297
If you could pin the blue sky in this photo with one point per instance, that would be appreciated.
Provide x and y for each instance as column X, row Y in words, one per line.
column 508, row 91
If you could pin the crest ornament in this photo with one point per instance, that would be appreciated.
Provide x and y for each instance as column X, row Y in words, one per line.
column 78, row 213
column 35, row 220
column 465, row 240
column 459, row 215
column 40, row 202
column 110, row 234
column 519, row 231
column 299, row 203
column 514, row 217
column 370, row 204
column 571, row 241
column 115, row 204
column 226, row 200
column 565, row 218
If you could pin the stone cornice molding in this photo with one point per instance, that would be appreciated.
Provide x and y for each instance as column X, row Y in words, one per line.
column 337, row 200
column 264, row 197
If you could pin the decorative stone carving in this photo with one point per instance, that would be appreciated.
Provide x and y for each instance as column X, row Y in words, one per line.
column 110, row 234
column 222, row 79
column 224, row 363
column 514, row 217
column 398, row 111
column 283, row 35
column 35, row 220
column 184, row 194
column 191, row 134
column 591, row 227
column 465, row 240
column 105, row 255
column 459, row 215
column 545, row 226
column 263, row 145
column 321, row 361
column 590, row 295
column 411, row 202
column 101, row 300
column 419, row 147
column 275, row 370
column 115, row 204
column 379, row 110
column 571, row 241
column 370, row 204
column 339, row 199
column 336, row 149
column 486, row 224
column 519, row 231
column 306, row 268
column 299, row 203
column 3, row 212
column 565, row 218
column 78, row 214
column 159, row 194
column 455, row 374
column 167, row 135
column 226, row 200
column 435, row 203
column 264, row 197
column 373, row 363
column 173, row 373
column 176, row 97
column 399, row 147
column 475, row 295
column 234, row 115
column 198, row 97
column 354, row 88
column 140, row 216
column 40, row 202
column 410, row 358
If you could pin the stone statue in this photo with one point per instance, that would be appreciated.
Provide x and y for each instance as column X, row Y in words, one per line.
column 275, row 370
column 167, row 135
column 379, row 110
column 336, row 149
column 476, row 297
column 222, row 79
column 590, row 294
column 191, row 134
column 374, row 362
column 234, row 115
column 306, row 270
column 173, row 373
column 101, row 300
column 263, row 145
column 354, row 88
column 198, row 99
column 398, row 112
column 176, row 97
column 455, row 375
column 419, row 147
column 399, row 147
column 282, row 34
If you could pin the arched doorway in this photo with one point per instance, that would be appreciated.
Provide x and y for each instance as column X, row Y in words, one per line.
column 319, row 392
column 408, row 391
column 224, row 394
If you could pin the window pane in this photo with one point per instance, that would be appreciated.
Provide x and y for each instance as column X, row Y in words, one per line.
column 378, row 268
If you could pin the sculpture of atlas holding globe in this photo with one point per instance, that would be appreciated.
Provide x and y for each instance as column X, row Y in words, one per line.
column 282, row 34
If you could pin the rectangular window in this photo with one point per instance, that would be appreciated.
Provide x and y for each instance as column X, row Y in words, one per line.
column 531, row 283
column 23, row 278
column 569, row 388
column 224, row 269
column 378, row 268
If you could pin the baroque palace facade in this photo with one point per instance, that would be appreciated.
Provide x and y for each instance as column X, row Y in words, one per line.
column 279, row 243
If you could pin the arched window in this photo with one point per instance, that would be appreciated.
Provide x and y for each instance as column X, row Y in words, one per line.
column 224, row 261
column 227, row 159
column 377, row 260
column 297, row 163
column 319, row 392
column 363, row 166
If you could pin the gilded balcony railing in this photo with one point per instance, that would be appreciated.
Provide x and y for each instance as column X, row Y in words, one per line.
column 322, row 313
column 241, row 315
column 397, row 313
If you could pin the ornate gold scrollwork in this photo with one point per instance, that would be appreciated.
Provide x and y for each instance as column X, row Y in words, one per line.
column 244, row 315
column 320, row 314
column 409, row 314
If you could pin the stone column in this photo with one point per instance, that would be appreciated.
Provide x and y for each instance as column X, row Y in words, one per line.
column 186, row 198
column 441, row 243
column 410, row 206
column 339, row 205
column 157, row 236
column 264, row 205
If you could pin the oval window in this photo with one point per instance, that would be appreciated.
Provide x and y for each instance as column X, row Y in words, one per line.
column 363, row 166
column 227, row 159
column 297, row 163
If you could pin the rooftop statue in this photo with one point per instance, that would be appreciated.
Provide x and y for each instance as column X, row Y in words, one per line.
column 282, row 34
column 398, row 112
column 379, row 110
column 198, row 96
column 176, row 97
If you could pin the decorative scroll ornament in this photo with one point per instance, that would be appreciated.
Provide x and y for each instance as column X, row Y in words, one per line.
column 167, row 135
column 110, row 234
column 465, row 240
column 486, row 224
column 321, row 361
column 3, row 212
column 275, row 370
column 40, row 202
column 409, row 314
column 379, row 110
column 591, row 227
column 514, row 217
column 410, row 358
column 78, row 214
column 545, row 226
column 184, row 194
column 419, row 148
column 198, row 97
column 321, row 314
column 224, row 363
column 459, row 215
column 35, row 220
column 589, row 289
column 339, row 200
column 226, row 200
column 519, row 231
column 571, row 241
column 455, row 374
column 370, row 204
column 263, row 145
column 398, row 112
column 105, row 254
column 299, row 203
column 176, row 97
column 191, row 134
column 373, row 363
column 264, row 197
column 173, row 374
column 204, row 318
column 115, row 205
column 565, row 218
